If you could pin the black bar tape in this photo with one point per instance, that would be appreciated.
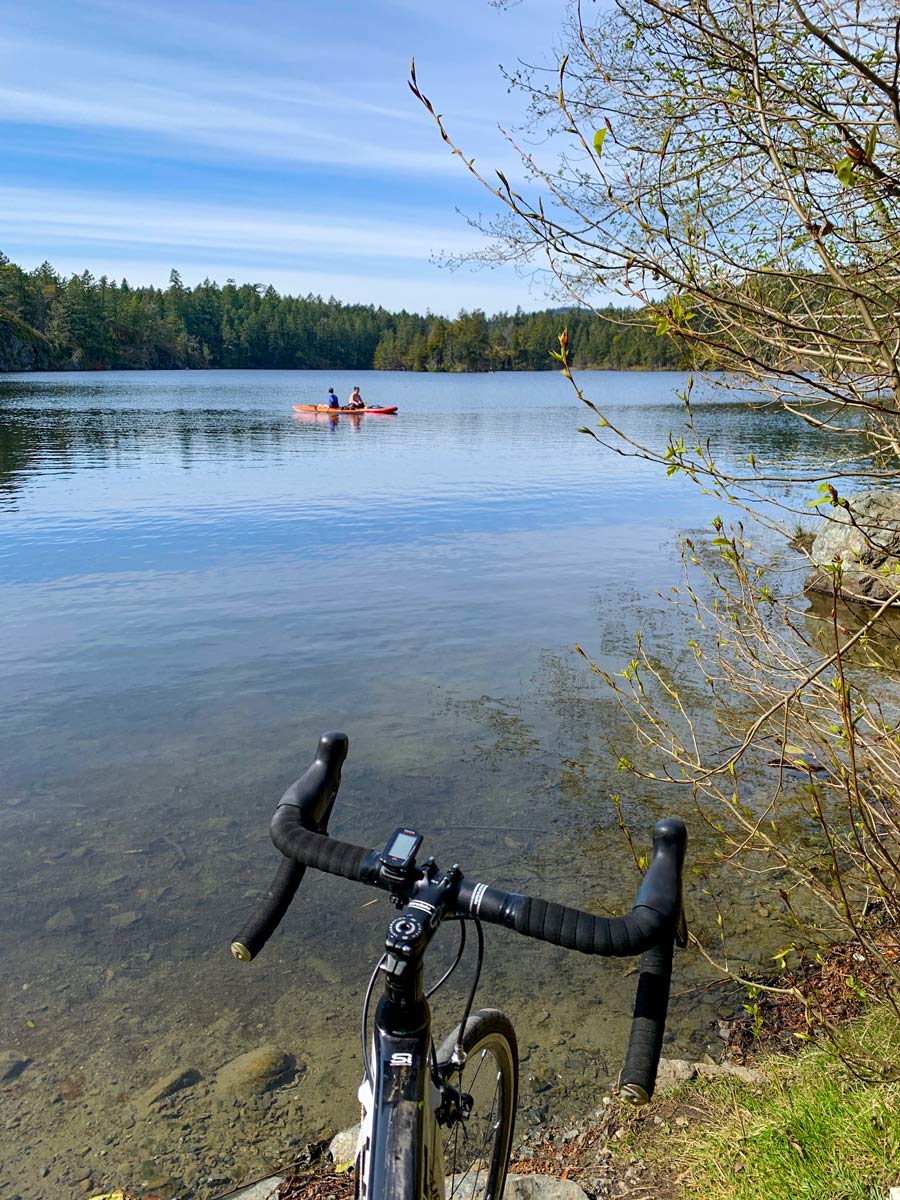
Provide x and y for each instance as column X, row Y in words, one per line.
column 316, row 850
column 615, row 937
column 310, row 799
column 270, row 908
column 649, row 1021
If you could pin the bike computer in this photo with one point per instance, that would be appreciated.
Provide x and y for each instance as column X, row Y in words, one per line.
column 400, row 852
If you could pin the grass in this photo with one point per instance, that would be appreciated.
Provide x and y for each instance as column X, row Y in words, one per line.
column 819, row 1132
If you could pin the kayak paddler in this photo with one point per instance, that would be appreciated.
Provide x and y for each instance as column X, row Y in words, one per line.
column 333, row 401
column 356, row 401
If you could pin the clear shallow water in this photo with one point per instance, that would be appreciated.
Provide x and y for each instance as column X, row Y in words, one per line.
column 194, row 583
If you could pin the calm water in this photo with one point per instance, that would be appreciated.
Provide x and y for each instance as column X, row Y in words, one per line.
column 194, row 584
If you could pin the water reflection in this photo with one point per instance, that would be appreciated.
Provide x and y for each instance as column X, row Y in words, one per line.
column 194, row 583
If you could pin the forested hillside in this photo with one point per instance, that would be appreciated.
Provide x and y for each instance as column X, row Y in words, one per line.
column 49, row 321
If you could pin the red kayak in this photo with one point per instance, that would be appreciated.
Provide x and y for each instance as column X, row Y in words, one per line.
column 356, row 412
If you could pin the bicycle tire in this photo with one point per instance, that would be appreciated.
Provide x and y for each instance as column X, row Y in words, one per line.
column 481, row 1142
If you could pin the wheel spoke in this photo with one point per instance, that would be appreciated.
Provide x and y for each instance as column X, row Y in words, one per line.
column 476, row 1155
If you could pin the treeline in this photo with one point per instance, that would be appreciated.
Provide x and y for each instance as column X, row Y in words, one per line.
column 48, row 321
column 617, row 339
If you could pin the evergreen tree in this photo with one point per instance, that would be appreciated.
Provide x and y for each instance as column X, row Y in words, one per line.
column 96, row 323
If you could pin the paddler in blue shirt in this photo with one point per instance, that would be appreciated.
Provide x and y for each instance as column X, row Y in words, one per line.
column 333, row 401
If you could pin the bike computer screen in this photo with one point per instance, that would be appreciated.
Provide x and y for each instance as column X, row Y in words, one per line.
column 400, row 852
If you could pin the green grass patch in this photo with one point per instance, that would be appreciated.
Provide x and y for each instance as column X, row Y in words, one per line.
column 818, row 1133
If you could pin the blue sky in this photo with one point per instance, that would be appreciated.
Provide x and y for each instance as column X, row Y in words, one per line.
column 271, row 141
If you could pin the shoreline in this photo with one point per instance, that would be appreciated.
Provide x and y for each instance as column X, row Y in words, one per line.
column 617, row 1150
column 576, row 369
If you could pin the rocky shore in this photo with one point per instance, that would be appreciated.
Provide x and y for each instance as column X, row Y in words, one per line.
column 578, row 1160
column 193, row 1137
column 211, row 1128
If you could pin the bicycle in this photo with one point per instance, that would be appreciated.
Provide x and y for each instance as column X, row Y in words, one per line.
column 438, row 1121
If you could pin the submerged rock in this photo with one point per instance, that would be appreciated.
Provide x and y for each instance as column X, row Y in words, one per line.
column 12, row 1064
column 253, row 1073
column 124, row 920
column 175, row 1081
column 61, row 921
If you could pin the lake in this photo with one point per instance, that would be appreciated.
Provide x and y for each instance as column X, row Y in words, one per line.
column 194, row 584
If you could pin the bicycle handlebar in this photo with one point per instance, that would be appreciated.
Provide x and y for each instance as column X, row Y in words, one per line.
column 299, row 831
column 313, row 795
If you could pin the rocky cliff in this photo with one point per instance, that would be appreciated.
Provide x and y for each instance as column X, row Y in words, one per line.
column 23, row 348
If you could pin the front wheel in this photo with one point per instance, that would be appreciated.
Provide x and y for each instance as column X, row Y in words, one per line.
column 478, row 1108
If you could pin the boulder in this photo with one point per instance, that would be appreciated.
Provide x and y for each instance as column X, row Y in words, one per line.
column 866, row 538
column 263, row 1189
column 253, row 1073
column 734, row 1070
column 674, row 1071
column 343, row 1145
column 538, row 1187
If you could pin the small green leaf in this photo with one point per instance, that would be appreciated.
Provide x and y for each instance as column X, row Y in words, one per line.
column 599, row 138
column 870, row 143
column 844, row 172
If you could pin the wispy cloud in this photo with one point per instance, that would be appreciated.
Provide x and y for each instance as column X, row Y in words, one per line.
column 91, row 220
column 274, row 141
column 302, row 115
column 221, row 123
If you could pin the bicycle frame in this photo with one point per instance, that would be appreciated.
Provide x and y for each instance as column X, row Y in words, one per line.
column 400, row 1154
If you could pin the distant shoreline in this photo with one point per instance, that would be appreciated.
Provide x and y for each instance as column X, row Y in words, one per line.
column 53, row 322
column 638, row 370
